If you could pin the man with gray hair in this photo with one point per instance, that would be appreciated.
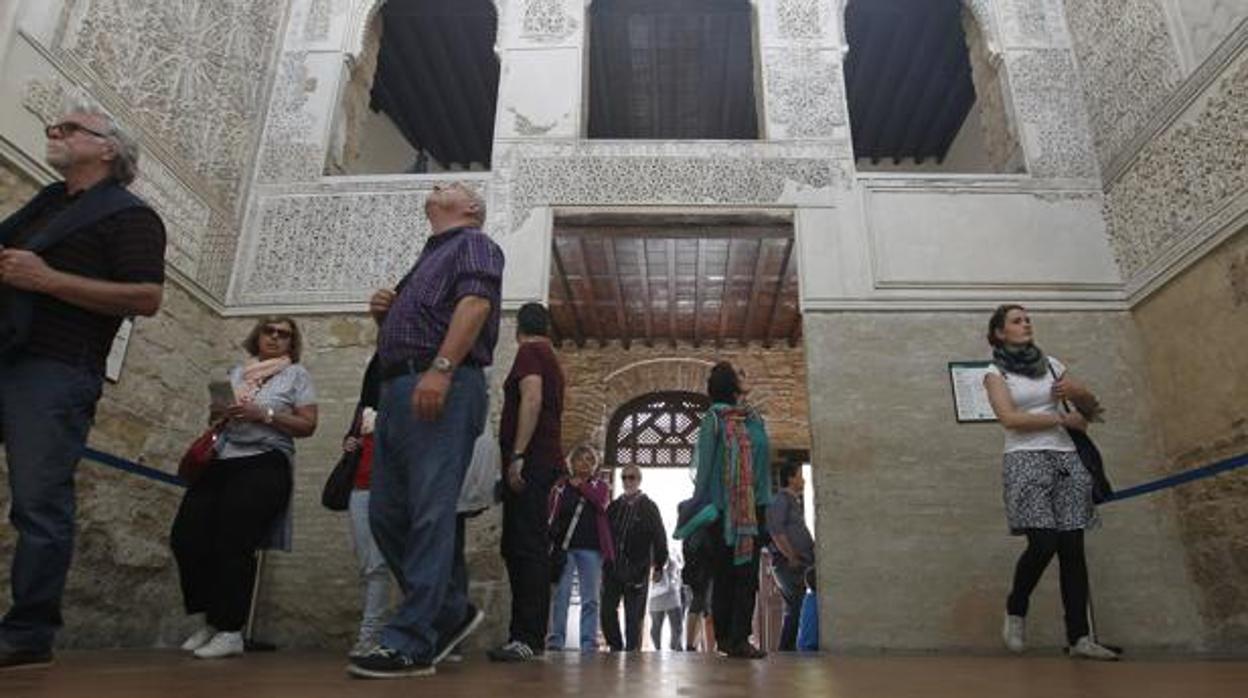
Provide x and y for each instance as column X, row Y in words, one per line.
column 79, row 257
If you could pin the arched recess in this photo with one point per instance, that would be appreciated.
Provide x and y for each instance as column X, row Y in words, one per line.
column 421, row 88
column 656, row 430
column 926, row 88
column 660, row 69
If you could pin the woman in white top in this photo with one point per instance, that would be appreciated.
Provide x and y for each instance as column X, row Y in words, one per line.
column 1047, row 490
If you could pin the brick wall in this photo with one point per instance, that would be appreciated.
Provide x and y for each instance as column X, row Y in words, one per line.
column 601, row 379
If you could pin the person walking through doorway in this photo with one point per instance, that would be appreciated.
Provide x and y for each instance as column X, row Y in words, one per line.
column 640, row 555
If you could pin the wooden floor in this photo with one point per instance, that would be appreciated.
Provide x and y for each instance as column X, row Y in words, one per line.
column 169, row 674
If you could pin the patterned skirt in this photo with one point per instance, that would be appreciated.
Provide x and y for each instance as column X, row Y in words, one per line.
column 1047, row 489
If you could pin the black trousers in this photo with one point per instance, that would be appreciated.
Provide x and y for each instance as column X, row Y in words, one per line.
column 634, row 596
column 1042, row 544
column 526, row 550
column 223, row 518
column 733, row 592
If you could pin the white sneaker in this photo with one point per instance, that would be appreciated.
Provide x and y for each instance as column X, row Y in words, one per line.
column 222, row 645
column 199, row 638
column 1087, row 648
column 1014, row 633
column 362, row 647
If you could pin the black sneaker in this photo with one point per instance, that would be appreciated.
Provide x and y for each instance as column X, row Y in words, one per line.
column 514, row 651
column 745, row 650
column 472, row 620
column 386, row 663
column 14, row 658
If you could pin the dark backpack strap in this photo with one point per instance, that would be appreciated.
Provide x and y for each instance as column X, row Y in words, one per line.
column 25, row 214
column 96, row 204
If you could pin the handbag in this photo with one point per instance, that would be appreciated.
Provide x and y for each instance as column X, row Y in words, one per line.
column 559, row 552
column 1090, row 456
column 336, row 495
column 199, row 454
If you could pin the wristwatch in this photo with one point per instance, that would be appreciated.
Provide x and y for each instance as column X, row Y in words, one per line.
column 515, row 457
column 443, row 365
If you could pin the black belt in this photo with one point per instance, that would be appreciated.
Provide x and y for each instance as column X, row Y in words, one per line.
column 405, row 367
column 413, row 367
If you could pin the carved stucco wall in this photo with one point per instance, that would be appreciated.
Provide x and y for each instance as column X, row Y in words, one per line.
column 1191, row 178
column 1174, row 144
column 188, row 69
column 188, row 78
column 1128, row 66
column 1209, row 22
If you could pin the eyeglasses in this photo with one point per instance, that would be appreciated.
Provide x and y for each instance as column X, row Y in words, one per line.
column 65, row 129
column 278, row 332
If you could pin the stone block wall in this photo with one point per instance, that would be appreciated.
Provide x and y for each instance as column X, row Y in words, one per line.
column 1194, row 330
column 904, row 492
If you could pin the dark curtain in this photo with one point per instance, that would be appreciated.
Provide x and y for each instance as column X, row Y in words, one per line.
column 672, row 69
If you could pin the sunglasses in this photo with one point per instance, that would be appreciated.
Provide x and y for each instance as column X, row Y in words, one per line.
column 278, row 332
column 65, row 129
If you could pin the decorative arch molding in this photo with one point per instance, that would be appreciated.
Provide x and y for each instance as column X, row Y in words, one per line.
column 654, row 375
column 981, row 10
column 362, row 13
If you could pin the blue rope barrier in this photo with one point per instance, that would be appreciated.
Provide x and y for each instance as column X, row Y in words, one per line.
column 1181, row 478
column 131, row 467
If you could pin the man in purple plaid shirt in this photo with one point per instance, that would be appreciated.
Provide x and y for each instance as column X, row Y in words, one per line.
column 438, row 332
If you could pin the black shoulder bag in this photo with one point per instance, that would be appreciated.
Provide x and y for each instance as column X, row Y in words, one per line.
column 1090, row 456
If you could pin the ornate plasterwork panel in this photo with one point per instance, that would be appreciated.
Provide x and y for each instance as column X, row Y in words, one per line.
column 191, row 70
column 1184, row 179
column 675, row 173
column 1127, row 64
column 332, row 247
column 186, row 215
column 1051, row 113
column 317, row 24
column 1209, row 22
column 803, row 20
column 805, row 92
column 292, row 151
column 1032, row 23
column 547, row 21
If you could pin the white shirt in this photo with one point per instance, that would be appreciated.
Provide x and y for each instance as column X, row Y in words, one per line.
column 1035, row 396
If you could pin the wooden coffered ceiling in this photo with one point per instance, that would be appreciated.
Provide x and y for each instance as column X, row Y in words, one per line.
column 672, row 279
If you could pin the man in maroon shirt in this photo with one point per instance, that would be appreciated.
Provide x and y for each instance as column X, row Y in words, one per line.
column 82, row 255
column 530, row 436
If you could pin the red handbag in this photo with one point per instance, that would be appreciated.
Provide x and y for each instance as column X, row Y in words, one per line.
column 199, row 454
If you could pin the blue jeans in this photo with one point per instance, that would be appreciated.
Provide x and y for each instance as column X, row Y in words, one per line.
column 418, row 470
column 374, row 576
column 588, row 567
column 46, row 408
column 792, row 584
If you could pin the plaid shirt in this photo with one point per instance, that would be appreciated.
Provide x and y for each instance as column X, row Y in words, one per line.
column 456, row 263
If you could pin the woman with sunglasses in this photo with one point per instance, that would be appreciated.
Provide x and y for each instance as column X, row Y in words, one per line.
column 238, row 503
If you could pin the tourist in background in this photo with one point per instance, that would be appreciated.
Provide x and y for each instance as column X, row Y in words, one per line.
column 241, row 502
column 375, row 579
column 666, row 603
column 1047, row 490
column 731, row 492
column 531, row 441
column 580, row 543
column 640, row 554
column 793, row 549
